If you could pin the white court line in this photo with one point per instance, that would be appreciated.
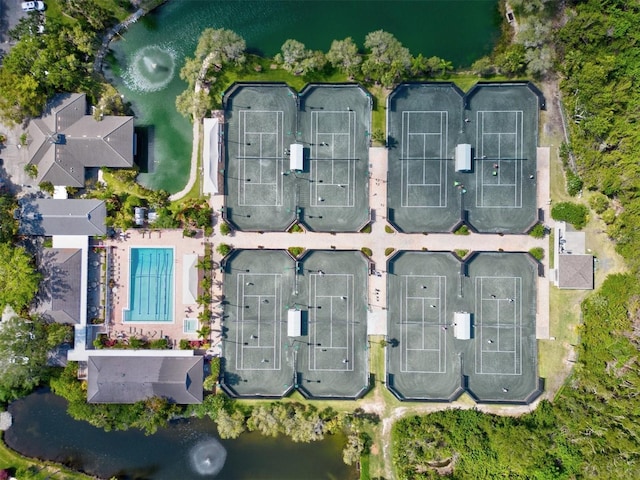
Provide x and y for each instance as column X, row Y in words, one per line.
column 407, row 160
column 481, row 133
column 274, row 325
column 350, row 318
column 318, row 137
column 483, row 322
column 277, row 157
column 406, row 323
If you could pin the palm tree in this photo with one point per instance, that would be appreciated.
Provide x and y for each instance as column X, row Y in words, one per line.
column 445, row 66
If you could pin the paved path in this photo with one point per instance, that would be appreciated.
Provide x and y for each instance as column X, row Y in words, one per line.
column 379, row 240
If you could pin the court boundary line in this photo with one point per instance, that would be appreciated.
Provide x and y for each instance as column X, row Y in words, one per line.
column 243, row 185
column 274, row 365
column 405, row 159
column 518, row 158
column 404, row 325
column 315, row 160
column 313, row 323
column 517, row 325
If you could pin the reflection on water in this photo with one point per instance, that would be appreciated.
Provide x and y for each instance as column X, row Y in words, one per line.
column 188, row 449
column 146, row 62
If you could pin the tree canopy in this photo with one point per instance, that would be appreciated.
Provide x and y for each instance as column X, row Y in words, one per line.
column 18, row 277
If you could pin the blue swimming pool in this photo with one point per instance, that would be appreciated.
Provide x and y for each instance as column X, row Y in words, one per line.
column 151, row 285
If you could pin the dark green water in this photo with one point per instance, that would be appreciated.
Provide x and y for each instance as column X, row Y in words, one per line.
column 458, row 30
column 41, row 428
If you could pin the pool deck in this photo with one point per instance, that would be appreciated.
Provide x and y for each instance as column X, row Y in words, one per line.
column 119, row 294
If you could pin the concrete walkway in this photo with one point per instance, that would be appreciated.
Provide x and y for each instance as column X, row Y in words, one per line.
column 379, row 240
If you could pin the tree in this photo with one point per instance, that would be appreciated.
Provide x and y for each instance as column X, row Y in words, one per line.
column 18, row 277
column 418, row 65
column 445, row 66
column 297, row 59
column 230, row 425
column 263, row 420
column 344, row 56
column 388, row 60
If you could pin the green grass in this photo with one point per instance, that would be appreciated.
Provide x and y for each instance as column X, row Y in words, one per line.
column 10, row 459
column 364, row 468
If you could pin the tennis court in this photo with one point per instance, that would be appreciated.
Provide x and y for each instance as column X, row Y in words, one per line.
column 260, row 126
column 423, row 365
column 427, row 121
column 151, row 285
column 330, row 191
column 497, row 362
column 504, row 120
column 423, row 123
column 326, row 357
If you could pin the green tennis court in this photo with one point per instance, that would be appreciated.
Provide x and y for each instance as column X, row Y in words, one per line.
column 328, row 187
column 431, row 358
column 497, row 193
column 325, row 355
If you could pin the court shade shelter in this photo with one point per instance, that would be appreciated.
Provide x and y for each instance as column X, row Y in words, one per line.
column 295, row 328
column 297, row 157
column 463, row 157
column 294, row 323
column 457, row 157
column 462, row 326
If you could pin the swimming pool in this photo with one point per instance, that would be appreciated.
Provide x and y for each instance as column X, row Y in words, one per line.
column 151, row 285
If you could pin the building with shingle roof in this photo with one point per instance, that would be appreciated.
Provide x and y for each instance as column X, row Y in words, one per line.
column 65, row 140
column 129, row 379
column 60, row 291
column 574, row 268
column 48, row 217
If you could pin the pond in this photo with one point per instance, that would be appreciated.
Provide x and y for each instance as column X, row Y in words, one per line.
column 145, row 64
column 189, row 449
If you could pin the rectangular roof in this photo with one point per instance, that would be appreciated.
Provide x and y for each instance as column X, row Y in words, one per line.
column 61, row 288
column 130, row 379
column 296, row 156
column 294, row 323
column 575, row 271
column 463, row 157
column 462, row 325
column 48, row 217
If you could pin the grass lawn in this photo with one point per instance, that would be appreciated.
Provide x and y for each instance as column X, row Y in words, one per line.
column 46, row 470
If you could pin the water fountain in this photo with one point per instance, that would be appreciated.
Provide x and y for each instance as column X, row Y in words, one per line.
column 207, row 457
column 151, row 69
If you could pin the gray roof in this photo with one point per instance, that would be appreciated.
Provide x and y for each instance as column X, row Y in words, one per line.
column 62, row 217
column 65, row 140
column 122, row 379
column 60, row 290
column 575, row 272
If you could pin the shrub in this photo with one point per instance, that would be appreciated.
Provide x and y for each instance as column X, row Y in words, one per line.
column 208, row 231
column 537, row 253
column 609, row 216
column 462, row 253
column 599, row 202
column 137, row 343
column 366, row 228
column 378, row 136
column 223, row 249
column 31, row 170
column 388, row 251
column 159, row 344
column 573, row 213
column 215, row 367
column 47, row 187
column 296, row 251
column 296, row 229
column 388, row 229
column 367, row 251
column 462, row 230
column 538, row 231
column 189, row 233
column 184, row 344
column 225, row 229
column 574, row 183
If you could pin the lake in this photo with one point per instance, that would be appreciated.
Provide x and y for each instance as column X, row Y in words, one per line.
column 147, row 61
column 41, row 428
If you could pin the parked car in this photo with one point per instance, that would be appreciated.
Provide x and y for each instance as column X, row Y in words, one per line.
column 32, row 6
